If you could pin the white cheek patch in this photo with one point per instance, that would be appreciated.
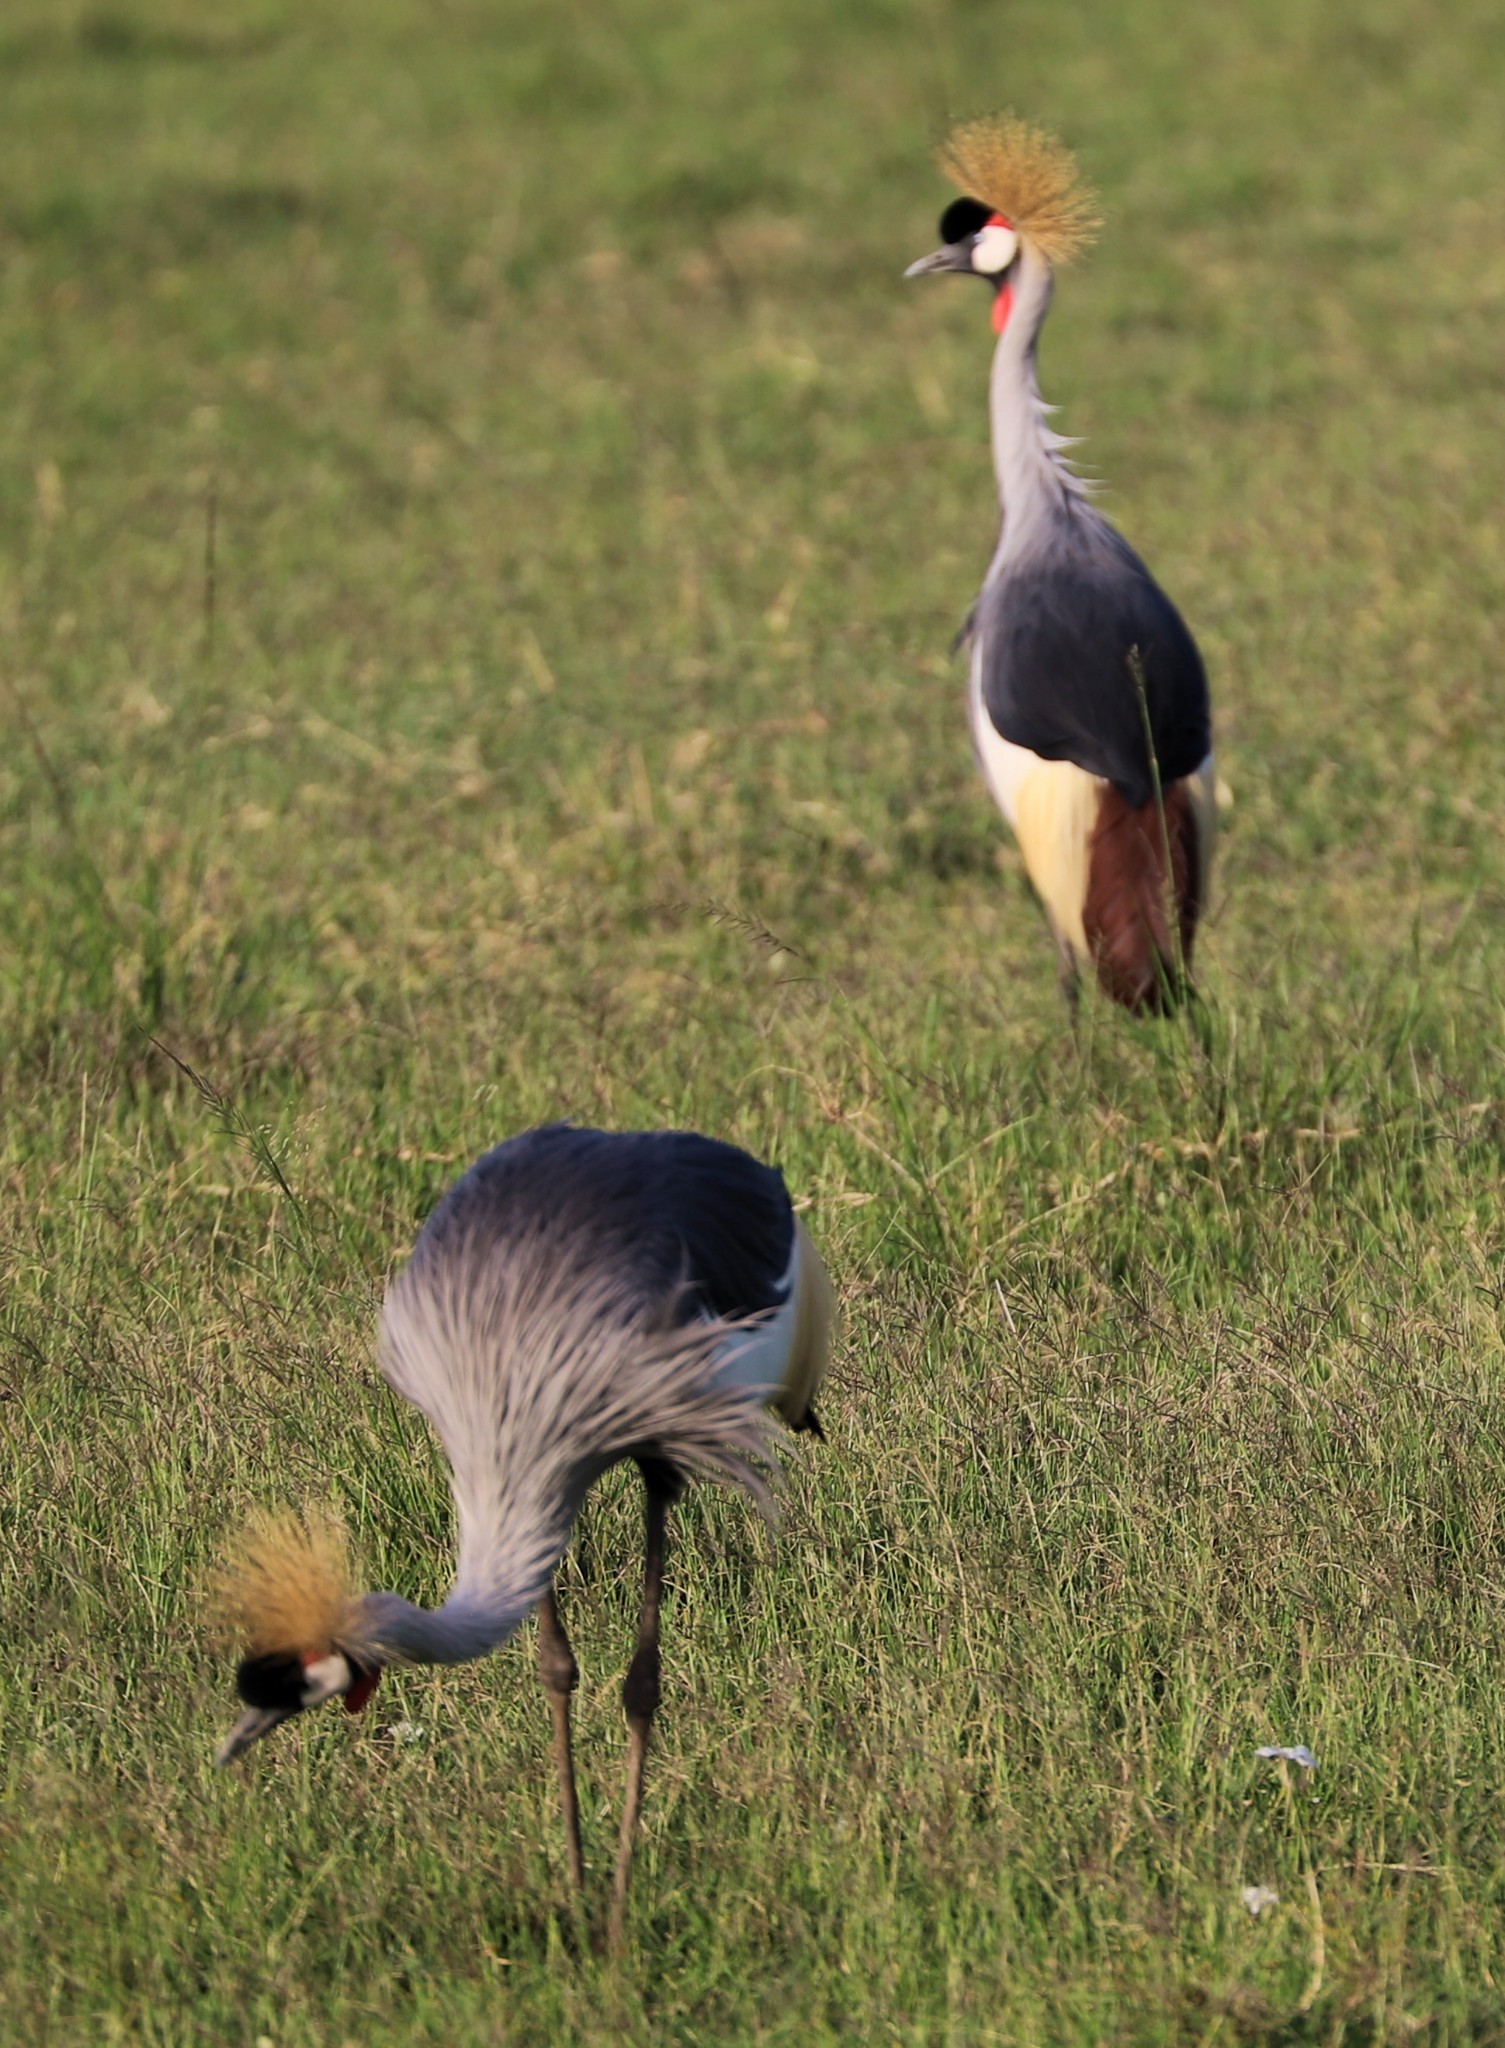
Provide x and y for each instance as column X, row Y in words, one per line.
column 324, row 1678
column 994, row 250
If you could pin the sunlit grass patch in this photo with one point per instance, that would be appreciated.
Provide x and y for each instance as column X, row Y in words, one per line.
column 568, row 731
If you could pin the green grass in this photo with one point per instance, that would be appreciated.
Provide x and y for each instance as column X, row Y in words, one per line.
column 571, row 732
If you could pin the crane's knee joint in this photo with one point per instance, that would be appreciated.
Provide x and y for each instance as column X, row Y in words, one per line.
column 640, row 1688
column 557, row 1669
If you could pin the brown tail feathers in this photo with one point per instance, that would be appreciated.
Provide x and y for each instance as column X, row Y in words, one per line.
column 1126, row 914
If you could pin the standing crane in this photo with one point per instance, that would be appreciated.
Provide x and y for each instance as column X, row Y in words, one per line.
column 578, row 1298
column 1088, row 697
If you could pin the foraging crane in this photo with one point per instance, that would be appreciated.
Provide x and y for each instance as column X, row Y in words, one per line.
column 579, row 1297
column 1078, row 658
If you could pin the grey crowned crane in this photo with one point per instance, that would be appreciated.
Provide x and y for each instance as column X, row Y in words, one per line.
column 1088, row 697
column 577, row 1298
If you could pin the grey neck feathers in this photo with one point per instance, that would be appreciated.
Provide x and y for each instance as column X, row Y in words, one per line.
column 539, row 1370
column 1035, row 484
column 507, row 1563
column 455, row 1633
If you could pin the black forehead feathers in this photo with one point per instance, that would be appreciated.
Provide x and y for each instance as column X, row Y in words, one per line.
column 964, row 217
column 274, row 1680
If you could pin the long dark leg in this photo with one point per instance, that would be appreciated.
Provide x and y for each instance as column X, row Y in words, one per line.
column 1069, row 981
column 640, row 1692
column 560, row 1674
column 1068, row 977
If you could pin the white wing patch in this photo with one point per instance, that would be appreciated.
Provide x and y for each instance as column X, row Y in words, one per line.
column 1004, row 766
column 758, row 1359
column 1052, row 807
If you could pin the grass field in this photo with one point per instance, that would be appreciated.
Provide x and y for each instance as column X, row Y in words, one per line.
column 567, row 728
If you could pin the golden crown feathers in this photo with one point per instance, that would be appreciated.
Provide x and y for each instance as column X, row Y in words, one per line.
column 286, row 1586
column 1026, row 175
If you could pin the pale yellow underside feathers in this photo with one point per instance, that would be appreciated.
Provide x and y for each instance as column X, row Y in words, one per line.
column 285, row 1584
column 1056, row 809
column 1027, row 176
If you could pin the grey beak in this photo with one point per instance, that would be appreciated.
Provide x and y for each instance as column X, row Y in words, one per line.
column 252, row 1725
column 955, row 256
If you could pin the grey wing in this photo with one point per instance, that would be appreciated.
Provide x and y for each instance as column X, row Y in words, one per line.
column 719, row 1219
column 1061, row 641
column 664, row 1210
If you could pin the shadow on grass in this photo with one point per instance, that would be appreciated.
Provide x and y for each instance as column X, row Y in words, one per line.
column 111, row 35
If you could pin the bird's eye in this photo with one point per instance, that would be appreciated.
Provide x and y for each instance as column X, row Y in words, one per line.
column 964, row 217
column 995, row 249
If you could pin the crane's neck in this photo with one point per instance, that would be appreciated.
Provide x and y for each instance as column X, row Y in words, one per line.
column 464, row 1628
column 1033, row 481
column 509, row 1551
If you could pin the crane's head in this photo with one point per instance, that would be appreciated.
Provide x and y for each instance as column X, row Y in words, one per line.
column 1021, row 192
column 285, row 1597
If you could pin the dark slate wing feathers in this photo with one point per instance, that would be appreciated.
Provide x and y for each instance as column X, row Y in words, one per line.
column 670, row 1208
column 1056, row 641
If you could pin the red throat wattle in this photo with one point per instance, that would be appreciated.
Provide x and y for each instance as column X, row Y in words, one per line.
column 361, row 1691
column 1003, row 298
